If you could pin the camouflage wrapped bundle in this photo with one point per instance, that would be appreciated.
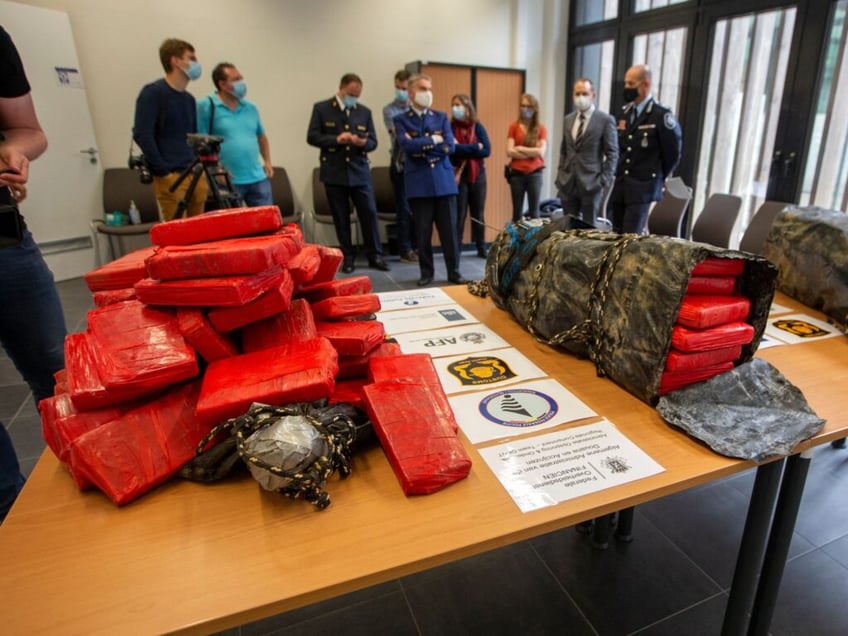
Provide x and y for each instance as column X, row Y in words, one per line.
column 612, row 298
column 810, row 248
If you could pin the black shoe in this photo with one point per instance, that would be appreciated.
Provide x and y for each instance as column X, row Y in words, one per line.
column 481, row 252
column 378, row 263
column 348, row 265
column 457, row 280
column 425, row 280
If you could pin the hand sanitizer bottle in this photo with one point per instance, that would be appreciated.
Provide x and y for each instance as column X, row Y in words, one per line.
column 135, row 215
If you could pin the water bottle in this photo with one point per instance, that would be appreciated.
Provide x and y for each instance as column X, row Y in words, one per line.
column 135, row 215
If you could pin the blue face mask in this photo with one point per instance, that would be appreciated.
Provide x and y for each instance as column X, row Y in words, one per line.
column 401, row 95
column 349, row 101
column 194, row 70
column 527, row 113
column 458, row 112
column 239, row 89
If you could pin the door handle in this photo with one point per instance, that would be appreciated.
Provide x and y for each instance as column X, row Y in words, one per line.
column 92, row 154
column 785, row 163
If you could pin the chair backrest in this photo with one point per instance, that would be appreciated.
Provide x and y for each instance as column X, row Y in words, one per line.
column 384, row 194
column 716, row 222
column 754, row 239
column 121, row 185
column 666, row 218
column 320, row 203
column 282, row 195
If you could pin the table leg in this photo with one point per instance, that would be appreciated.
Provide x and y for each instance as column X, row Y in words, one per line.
column 752, row 548
column 788, row 503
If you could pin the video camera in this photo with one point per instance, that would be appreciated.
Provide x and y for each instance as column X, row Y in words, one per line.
column 204, row 145
column 138, row 162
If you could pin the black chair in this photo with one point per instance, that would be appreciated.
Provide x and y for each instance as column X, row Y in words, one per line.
column 322, row 227
column 716, row 222
column 384, row 196
column 120, row 186
column 281, row 193
column 666, row 218
column 754, row 238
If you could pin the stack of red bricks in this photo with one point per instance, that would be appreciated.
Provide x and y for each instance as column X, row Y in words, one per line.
column 711, row 327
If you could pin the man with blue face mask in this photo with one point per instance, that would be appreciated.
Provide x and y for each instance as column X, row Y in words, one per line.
column 344, row 131
column 228, row 114
column 165, row 113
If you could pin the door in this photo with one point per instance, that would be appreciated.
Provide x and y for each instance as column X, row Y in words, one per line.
column 64, row 185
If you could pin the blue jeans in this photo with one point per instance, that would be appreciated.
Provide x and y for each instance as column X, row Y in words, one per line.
column 255, row 194
column 32, row 331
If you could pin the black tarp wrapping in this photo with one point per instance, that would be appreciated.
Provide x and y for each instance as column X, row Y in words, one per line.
column 610, row 297
column 755, row 412
column 810, row 248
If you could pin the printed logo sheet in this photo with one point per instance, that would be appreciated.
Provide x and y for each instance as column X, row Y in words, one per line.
column 485, row 370
column 516, row 410
column 424, row 319
column 797, row 328
column 555, row 467
column 451, row 341
column 410, row 298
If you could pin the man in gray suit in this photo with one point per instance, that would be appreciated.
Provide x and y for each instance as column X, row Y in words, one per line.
column 588, row 155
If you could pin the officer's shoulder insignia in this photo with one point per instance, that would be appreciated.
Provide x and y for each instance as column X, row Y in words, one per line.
column 669, row 121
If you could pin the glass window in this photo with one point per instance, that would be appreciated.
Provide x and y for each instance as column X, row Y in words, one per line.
column 647, row 5
column 595, row 62
column 826, row 170
column 592, row 11
column 663, row 52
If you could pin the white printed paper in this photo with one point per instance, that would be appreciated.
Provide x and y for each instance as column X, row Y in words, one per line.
column 797, row 328
column 411, row 298
column 451, row 341
column 516, row 410
column 767, row 342
column 485, row 370
column 425, row 319
column 776, row 309
column 549, row 469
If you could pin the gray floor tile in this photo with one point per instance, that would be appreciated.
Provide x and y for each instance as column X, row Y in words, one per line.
column 27, row 438
column 11, row 398
column 703, row 619
column 838, row 550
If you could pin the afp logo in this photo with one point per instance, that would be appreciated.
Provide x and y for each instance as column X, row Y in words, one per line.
column 480, row 370
column 519, row 408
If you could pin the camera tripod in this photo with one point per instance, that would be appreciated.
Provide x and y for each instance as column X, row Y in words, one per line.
column 208, row 166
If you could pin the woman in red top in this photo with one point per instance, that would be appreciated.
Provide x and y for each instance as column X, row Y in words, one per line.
column 525, row 146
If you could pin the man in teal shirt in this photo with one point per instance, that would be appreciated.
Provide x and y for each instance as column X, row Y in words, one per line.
column 228, row 114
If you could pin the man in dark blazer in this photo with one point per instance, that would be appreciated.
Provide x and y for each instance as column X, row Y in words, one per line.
column 588, row 155
column 650, row 143
column 344, row 131
column 426, row 140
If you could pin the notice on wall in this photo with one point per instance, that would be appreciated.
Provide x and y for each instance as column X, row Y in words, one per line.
column 485, row 370
column 797, row 328
column 516, row 410
column 68, row 77
column 425, row 319
column 411, row 298
column 548, row 469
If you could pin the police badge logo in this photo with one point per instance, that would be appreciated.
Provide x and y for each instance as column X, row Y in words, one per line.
column 480, row 370
column 668, row 120
column 800, row 328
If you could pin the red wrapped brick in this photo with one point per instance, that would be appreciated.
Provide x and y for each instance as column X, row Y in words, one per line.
column 346, row 307
column 679, row 361
column 288, row 327
column 357, row 366
column 61, row 379
column 331, row 260
column 674, row 380
column 351, row 286
column 701, row 312
column 352, row 338
column 230, row 257
column 305, row 264
column 716, row 266
column 229, row 291
column 200, row 334
column 292, row 230
column 272, row 302
column 128, row 456
column 729, row 335
column 349, row 391
column 139, row 348
column 718, row 285
column 301, row 372
column 217, row 225
column 419, row 441
column 112, row 296
column 121, row 273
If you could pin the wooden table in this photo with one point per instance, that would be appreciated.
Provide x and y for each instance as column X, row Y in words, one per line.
column 194, row 558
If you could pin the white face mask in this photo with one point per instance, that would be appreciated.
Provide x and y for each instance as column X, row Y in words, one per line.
column 582, row 102
column 424, row 99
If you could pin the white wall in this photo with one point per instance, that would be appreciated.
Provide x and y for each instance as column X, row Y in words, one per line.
column 292, row 53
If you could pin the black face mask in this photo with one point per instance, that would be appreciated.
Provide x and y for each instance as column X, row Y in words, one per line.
column 630, row 94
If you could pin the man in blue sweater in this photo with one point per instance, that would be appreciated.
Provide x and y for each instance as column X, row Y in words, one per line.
column 165, row 113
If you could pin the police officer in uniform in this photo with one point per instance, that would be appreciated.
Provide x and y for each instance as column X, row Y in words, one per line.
column 344, row 131
column 650, row 143
column 426, row 138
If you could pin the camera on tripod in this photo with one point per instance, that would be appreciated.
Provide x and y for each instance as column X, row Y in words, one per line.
column 139, row 162
column 204, row 145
